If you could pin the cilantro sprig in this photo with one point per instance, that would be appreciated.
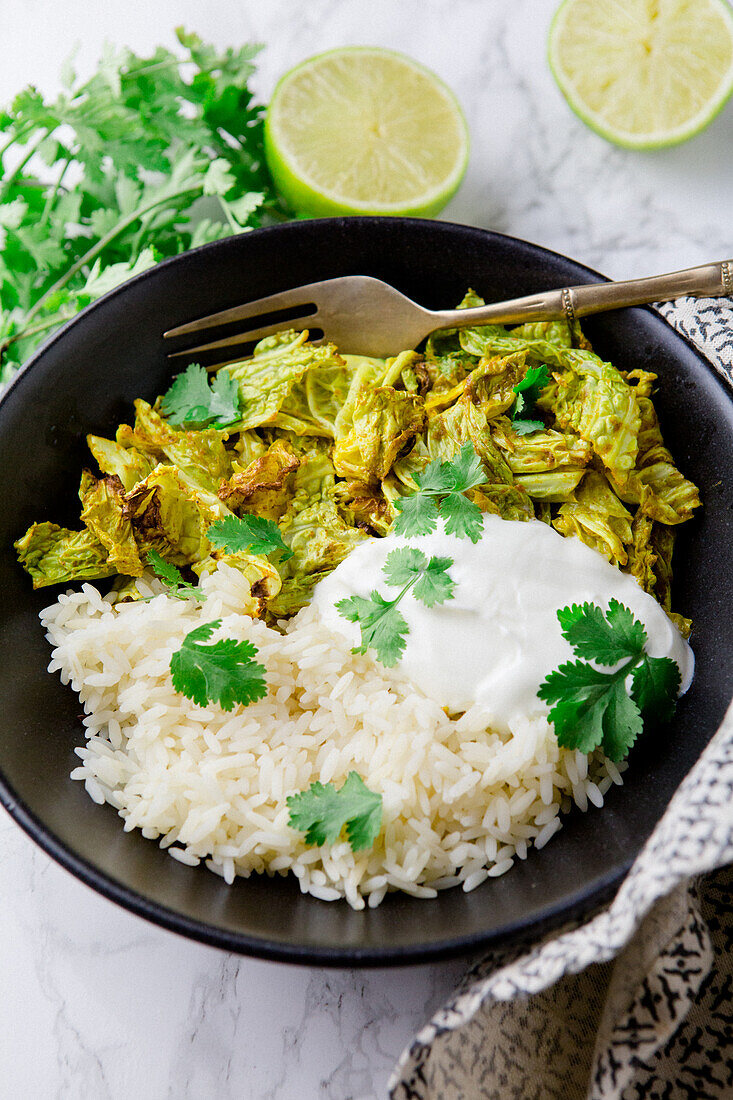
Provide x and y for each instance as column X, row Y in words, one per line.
column 321, row 813
column 190, row 402
column 173, row 578
column 223, row 672
column 383, row 626
column 527, row 391
column 440, row 491
column 97, row 184
column 593, row 708
column 248, row 534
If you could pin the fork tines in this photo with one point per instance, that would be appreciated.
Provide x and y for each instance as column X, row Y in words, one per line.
column 263, row 317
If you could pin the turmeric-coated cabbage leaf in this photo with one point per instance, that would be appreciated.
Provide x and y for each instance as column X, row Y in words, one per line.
column 56, row 555
column 318, row 537
column 264, row 487
column 598, row 518
column 655, row 484
column 105, row 513
column 266, row 380
column 313, row 526
column 201, row 454
column 555, row 486
column 366, row 507
column 541, row 451
column 126, row 463
column 490, row 384
column 590, row 397
column 295, row 593
column 466, row 422
column 507, row 501
column 366, row 374
column 171, row 513
column 642, row 559
column 315, row 401
column 385, row 422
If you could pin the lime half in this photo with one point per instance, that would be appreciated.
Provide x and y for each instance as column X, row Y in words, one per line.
column 362, row 130
column 644, row 73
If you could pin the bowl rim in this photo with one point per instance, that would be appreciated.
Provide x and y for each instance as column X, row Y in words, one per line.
column 579, row 903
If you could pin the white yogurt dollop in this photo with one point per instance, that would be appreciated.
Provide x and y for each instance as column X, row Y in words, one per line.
column 495, row 642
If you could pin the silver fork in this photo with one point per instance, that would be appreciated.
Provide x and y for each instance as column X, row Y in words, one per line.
column 368, row 317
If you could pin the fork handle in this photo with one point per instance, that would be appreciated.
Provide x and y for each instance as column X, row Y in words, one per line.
column 710, row 280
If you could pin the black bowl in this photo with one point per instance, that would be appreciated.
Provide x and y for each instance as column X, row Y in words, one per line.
column 85, row 380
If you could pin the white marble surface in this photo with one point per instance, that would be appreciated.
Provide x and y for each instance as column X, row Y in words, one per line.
column 94, row 1002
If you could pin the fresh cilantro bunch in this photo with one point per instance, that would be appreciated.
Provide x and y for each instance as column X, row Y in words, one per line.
column 98, row 184
column 223, row 672
column 173, row 578
column 383, row 627
column 593, row 708
column 440, row 490
column 190, row 402
column 527, row 391
column 248, row 535
column 321, row 812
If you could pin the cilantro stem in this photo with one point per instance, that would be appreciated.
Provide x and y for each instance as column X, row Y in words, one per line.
column 102, row 243
column 228, row 215
column 407, row 587
column 14, row 139
column 26, row 333
column 17, row 171
column 51, row 198
column 383, row 627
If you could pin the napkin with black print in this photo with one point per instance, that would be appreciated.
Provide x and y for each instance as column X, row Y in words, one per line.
column 637, row 1002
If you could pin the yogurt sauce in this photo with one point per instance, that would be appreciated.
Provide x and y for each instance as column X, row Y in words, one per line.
column 495, row 642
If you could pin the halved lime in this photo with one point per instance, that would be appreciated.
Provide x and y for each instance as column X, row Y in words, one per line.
column 363, row 130
column 644, row 73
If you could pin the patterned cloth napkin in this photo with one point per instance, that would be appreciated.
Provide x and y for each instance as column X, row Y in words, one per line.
column 636, row 1003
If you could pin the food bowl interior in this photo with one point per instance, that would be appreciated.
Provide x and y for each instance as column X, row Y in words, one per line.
column 86, row 378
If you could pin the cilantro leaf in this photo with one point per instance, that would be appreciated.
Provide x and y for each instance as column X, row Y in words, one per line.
column 628, row 631
column 403, row 566
column 429, row 580
column 592, row 708
column 189, row 402
column 605, row 639
column 383, row 627
column 462, row 517
column 223, row 672
column 527, row 391
column 172, row 576
column 525, row 427
column 248, row 534
column 655, row 683
column 416, row 515
column 435, row 585
column 528, row 388
column 440, row 487
column 576, row 689
column 622, row 721
column 437, row 477
column 321, row 813
column 121, row 158
column 466, row 470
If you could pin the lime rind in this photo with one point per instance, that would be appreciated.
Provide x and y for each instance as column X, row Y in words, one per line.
column 649, row 141
column 310, row 198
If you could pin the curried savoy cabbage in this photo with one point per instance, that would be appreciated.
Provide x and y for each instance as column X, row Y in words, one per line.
column 323, row 443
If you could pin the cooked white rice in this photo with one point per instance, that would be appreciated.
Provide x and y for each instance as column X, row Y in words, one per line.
column 460, row 802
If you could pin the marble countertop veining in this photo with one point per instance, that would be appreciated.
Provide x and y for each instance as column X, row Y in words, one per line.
column 96, row 1003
